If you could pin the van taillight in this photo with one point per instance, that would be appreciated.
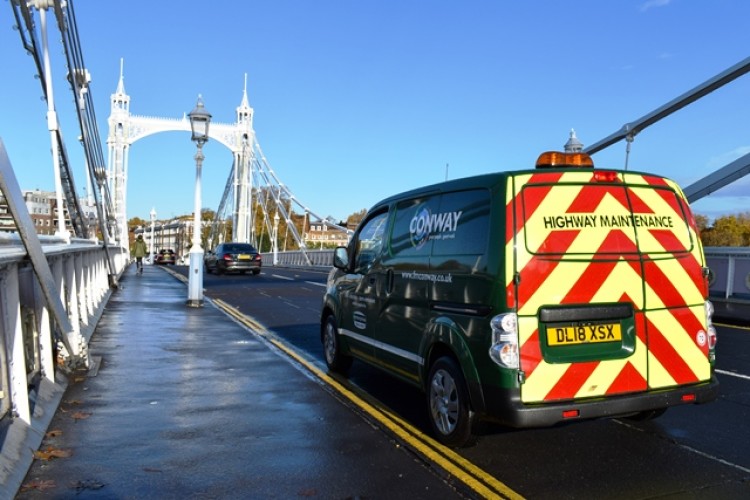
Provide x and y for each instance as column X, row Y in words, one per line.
column 710, row 328
column 605, row 176
column 504, row 346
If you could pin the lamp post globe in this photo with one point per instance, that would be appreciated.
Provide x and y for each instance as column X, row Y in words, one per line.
column 200, row 119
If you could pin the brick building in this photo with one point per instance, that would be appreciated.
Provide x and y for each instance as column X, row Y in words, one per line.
column 42, row 207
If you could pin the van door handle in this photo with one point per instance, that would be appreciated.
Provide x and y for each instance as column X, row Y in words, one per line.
column 389, row 281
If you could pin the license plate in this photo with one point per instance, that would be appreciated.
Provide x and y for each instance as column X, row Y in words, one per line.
column 584, row 334
column 243, row 256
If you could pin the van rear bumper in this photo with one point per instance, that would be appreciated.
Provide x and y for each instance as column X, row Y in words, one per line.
column 506, row 407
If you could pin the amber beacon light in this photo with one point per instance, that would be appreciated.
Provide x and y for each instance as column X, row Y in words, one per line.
column 556, row 159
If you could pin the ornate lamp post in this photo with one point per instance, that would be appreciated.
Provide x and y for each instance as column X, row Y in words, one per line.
column 153, row 219
column 199, row 121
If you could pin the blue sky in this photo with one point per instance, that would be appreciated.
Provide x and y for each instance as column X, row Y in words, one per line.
column 357, row 100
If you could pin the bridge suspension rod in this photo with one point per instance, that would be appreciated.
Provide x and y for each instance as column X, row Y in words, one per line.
column 633, row 128
column 79, row 80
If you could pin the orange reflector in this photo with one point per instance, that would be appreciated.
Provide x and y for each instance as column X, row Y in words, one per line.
column 556, row 159
column 570, row 413
column 688, row 398
column 605, row 176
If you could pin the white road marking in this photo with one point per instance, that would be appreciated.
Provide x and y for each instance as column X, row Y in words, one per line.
column 689, row 448
column 282, row 277
column 316, row 284
column 733, row 374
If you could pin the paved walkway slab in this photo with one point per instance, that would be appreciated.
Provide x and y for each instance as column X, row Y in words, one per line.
column 187, row 403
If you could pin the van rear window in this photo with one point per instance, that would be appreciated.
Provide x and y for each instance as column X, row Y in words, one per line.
column 604, row 219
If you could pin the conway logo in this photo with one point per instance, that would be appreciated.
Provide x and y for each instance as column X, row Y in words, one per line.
column 425, row 224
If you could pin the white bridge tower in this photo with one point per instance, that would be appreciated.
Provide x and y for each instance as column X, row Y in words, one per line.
column 126, row 128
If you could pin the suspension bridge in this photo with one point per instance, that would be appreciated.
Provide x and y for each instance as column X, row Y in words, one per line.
column 55, row 289
column 254, row 198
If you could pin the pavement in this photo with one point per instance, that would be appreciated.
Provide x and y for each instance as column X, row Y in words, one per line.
column 189, row 403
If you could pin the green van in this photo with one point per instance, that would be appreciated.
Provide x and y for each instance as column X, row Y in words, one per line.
column 529, row 297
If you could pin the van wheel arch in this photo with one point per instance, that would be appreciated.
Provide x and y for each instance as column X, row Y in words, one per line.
column 446, row 341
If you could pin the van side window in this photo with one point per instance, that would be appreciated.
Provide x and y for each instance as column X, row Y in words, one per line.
column 454, row 223
column 411, row 227
column 465, row 223
column 369, row 242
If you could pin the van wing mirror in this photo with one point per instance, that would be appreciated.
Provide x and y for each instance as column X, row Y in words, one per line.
column 341, row 258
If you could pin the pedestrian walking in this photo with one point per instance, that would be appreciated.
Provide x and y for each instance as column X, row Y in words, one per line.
column 140, row 251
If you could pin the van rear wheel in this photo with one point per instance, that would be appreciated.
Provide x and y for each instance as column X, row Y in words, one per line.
column 451, row 417
column 335, row 360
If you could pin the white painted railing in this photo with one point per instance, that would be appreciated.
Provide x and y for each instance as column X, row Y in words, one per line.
column 729, row 279
column 31, row 343
column 730, row 272
column 296, row 258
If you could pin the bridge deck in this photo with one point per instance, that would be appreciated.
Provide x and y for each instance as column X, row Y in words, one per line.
column 187, row 401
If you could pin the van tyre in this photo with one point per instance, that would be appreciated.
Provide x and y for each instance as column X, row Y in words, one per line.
column 450, row 414
column 335, row 360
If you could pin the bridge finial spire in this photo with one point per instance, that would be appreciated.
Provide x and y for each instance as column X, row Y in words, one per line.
column 244, row 103
column 244, row 111
column 121, row 83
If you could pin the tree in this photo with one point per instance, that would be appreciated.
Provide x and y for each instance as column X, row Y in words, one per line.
column 702, row 222
column 134, row 224
column 726, row 231
column 354, row 219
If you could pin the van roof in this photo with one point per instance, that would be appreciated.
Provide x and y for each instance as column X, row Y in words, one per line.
column 487, row 181
column 479, row 181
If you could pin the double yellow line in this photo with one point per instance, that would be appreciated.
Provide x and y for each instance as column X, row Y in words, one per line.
column 476, row 479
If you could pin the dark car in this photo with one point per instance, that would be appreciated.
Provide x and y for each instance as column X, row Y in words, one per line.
column 233, row 257
column 165, row 256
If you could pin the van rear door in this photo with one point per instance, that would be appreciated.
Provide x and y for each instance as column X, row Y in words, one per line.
column 607, row 282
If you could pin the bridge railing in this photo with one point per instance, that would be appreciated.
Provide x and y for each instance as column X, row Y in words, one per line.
column 298, row 258
column 730, row 272
column 729, row 278
column 30, row 341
